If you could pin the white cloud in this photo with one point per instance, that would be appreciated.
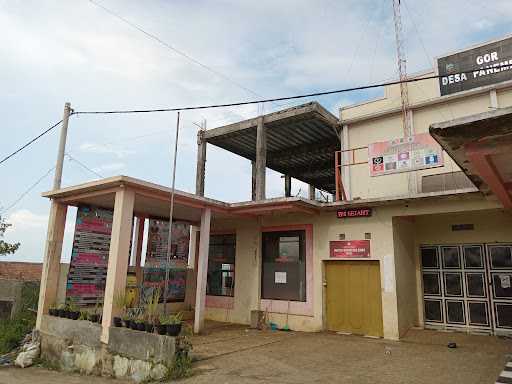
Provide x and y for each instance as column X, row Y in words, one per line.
column 24, row 219
column 110, row 167
column 105, row 149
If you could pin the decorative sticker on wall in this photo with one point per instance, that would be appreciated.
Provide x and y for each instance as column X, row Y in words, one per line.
column 404, row 154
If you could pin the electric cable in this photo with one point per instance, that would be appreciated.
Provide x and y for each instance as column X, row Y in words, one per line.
column 211, row 106
column 30, row 142
column 314, row 94
column 27, row 191
column 71, row 158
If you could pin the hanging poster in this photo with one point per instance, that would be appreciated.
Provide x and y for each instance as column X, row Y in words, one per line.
column 156, row 259
column 405, row 154
column 89, row 258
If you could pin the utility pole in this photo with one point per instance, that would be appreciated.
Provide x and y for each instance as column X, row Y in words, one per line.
column 402, row 68
column 57, row 180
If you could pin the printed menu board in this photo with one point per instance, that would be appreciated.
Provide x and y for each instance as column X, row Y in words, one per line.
column 89, row 258
column 156, row 259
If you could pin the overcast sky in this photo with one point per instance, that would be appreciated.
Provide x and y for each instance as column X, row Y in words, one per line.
column 57, row 51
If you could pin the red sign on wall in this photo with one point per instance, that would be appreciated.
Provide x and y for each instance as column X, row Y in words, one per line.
column 354, row 212
column 349, row 249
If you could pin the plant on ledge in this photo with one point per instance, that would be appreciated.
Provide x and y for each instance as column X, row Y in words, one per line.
column 121, row 302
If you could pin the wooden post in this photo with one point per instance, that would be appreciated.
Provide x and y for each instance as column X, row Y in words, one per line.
column 201, row 163
column 287, row 185
column 261, row 159
column 312, row 192
column 202, row 270
column 253, row 180
column 118, row 256
column 51, row 264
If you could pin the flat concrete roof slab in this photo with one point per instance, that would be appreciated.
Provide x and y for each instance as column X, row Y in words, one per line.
column 301, row 142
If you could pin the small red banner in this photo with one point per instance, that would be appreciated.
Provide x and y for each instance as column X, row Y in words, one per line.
column 354, row 212
column 349, row 249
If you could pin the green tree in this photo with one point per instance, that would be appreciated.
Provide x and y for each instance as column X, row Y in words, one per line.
column 6, row 248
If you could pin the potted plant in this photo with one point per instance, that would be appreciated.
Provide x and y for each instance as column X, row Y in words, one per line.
column 53, row 311
column 174, row 324
column 139, row 322
column 127, row 319
column 121, row 303
column 84, row 315
column 151, row 312
column 161, row 326
column 61, row 310
column 73, row 312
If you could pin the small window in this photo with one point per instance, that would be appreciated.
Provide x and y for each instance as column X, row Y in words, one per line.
column 284, row 266
column 429, row 257
column 221, row 265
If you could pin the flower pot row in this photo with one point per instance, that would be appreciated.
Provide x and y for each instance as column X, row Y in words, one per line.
column 161, row 329
column 74, row 315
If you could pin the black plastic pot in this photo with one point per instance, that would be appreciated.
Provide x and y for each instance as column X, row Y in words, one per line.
column 74, row 315
column 67, row 314
column 94, row 318
column 117, row 322
column 133, row 325
column 148, row 327
column 141, row 327
column 126, row 323
column 61, row 313
column 161, row 329
column 53, row 312
column 173, row 329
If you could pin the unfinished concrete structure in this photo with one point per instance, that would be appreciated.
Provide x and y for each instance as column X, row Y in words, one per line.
column 429, row 247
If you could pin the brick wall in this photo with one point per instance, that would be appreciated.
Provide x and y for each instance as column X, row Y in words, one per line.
column 12, row 270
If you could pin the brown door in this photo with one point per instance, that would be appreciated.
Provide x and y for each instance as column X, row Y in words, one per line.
column 354, row 297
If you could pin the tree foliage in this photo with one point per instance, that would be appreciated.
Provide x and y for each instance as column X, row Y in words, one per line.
column 5, row 247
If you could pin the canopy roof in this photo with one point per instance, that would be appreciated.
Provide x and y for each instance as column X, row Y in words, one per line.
column 301, row 142
column 481, row 145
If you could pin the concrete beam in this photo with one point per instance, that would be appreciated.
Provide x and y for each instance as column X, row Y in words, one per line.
column 261, row 159
column 287, row 185
column 118, row 256
column 201, row 163
column 51, row 263
column 139, row 231
column 253, row 181
column 202, row 270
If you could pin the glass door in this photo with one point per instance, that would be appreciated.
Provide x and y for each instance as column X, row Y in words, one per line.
column 500, row 276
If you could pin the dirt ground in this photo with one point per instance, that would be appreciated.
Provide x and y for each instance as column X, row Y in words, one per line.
column 231, row 354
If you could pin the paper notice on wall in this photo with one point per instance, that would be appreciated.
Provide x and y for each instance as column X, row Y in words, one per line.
column 280, row 278
column 505, row 281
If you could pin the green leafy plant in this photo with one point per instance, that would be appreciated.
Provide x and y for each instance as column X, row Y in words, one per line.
column 182, row 366
column 121, row 301
column 176, row 318
column 151, row 312
column 6, row 248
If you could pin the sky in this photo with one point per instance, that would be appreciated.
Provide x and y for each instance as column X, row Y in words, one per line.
column 58, row 51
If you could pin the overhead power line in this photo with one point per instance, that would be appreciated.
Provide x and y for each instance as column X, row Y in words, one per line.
column 30, row 142
column 71, row 158
column 174, row 49
column 314, row 94
column 211, row 106
column 25, row 193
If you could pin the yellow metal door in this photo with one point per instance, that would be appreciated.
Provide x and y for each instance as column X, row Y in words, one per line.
column 354, row 297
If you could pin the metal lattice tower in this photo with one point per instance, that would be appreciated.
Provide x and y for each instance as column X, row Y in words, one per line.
column 402, row 68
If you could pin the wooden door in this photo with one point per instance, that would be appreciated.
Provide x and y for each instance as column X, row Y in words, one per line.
column 353, row 296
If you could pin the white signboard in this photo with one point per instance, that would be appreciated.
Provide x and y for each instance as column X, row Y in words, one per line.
column 280, row 277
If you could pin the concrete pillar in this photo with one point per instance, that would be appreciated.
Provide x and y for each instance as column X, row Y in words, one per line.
column 139, row 239
column 51, row 264
column 202, row 270
column 201, row 163
column 190, row 289
column 287, row 185
column 253, row 181
column 261, row 159
column 118, row 256
column 312, row 192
